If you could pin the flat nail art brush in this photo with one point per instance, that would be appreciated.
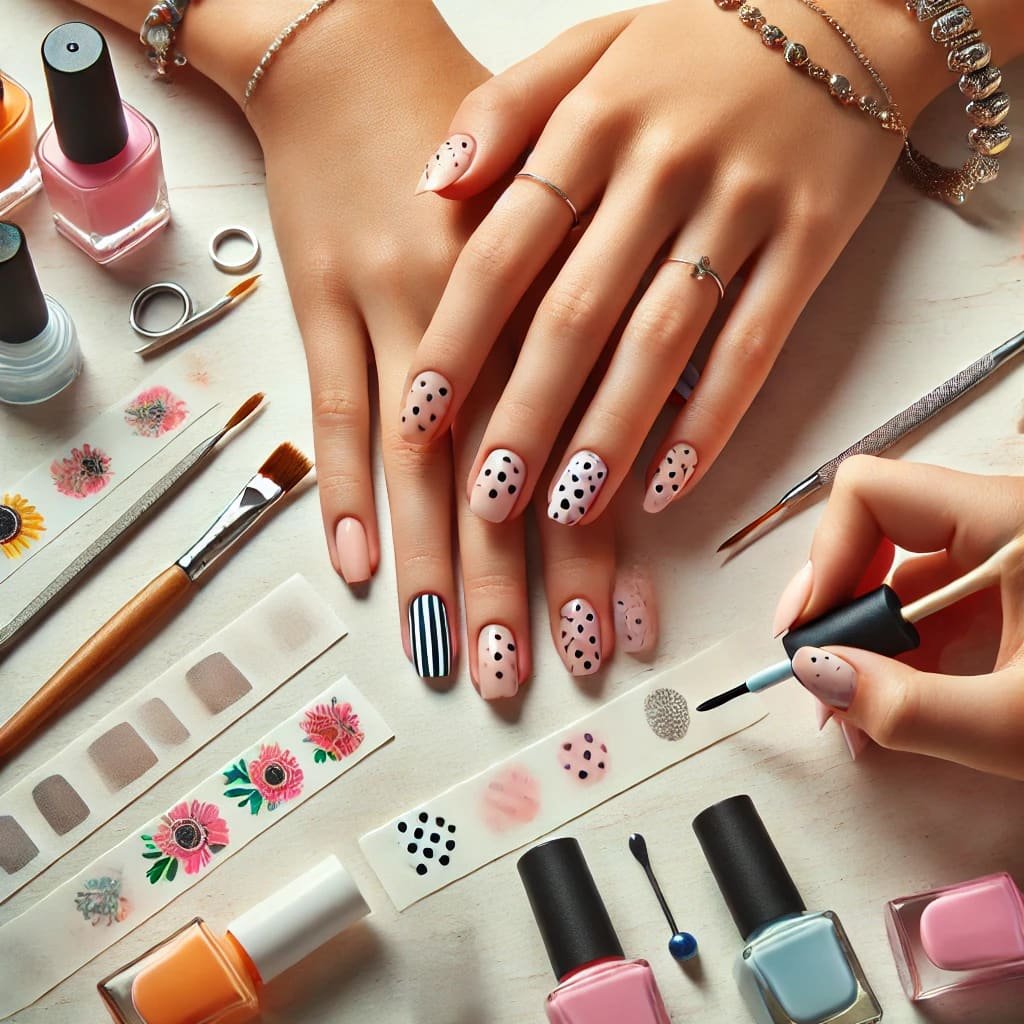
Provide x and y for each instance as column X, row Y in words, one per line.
column 285, row 467
column 891, row 432
column 135, row 514
column 877, row 621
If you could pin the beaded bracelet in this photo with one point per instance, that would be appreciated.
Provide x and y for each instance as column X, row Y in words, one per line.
column 159, row 33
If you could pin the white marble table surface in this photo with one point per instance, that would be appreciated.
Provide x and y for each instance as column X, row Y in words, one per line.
column 919, row 293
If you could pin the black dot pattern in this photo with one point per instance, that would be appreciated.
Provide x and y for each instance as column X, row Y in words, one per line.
column 584, row 758
column 426, row 404
column 577, row 488
column 428, row 839
column 580, row 637
column 500, row 479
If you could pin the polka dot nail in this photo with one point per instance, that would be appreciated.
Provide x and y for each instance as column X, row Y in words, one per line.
column 672, row 475
column 498, row 485
column 584, row 758
column 497, row 663
column 831, row 679
column 577, row 488
column 447, row 164
column 425, row 406
column 636, row 625
column 580, row 637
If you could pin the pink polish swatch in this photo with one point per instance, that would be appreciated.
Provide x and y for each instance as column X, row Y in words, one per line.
column 793, row 599
column 580, row 637
column 425, row 406
column 832, row 680
column 447, row 164
column 673, row 473
column 498, row 486
column 636, row 620
column 497, row 663
column 577, row 488
column 353, row 550
column 512, row 798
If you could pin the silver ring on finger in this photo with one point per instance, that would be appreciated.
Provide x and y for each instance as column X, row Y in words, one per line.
column 701, row 269
column 547, row 183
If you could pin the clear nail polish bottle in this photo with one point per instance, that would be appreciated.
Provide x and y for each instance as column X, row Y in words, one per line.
column 39, row 353
column 796, row 967
column 19, row 174
column 100, row 159
column 958, row 936
column 597, row 984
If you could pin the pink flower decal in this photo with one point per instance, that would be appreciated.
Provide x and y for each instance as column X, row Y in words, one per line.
column 334, row 729
column 155, row 411
column 189, row 834
column 85, row 472
column 271, row 778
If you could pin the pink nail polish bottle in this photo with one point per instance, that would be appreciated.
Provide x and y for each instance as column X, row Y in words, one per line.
column 100, row 159
column 597, row 984
column 958, row 936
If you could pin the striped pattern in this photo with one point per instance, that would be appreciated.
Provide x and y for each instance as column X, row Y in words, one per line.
column 430, row 636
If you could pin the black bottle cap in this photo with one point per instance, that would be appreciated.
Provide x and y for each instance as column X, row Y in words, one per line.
column 88, row 115
column 569, row 910
column 747, row 867
column 23, row 312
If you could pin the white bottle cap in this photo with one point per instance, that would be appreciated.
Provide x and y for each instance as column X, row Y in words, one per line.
column 301, row 917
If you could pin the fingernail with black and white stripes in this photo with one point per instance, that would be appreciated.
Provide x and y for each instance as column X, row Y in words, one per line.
column 430, row 636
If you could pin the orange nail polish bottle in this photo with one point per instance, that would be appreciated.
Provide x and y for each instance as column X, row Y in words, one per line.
column 198, row 977
column 19, row 174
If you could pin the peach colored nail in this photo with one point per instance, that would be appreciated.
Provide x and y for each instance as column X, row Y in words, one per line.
column 672, row 475
column 832, row 680
column 793, row 599
column 497, row 663
column 822, row 713
column 353, row 551
column 425, row 406
column 636, row 617
column 856, row 739
column 498, row 485
column 447, row 164
column 580, row 637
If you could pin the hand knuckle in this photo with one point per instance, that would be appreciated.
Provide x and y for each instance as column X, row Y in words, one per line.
column 752, row 348
column 900, row 716
column 570, row 310
column 336, row 409
column 492, row 588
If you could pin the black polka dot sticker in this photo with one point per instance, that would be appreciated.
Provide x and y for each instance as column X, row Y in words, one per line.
column 584, row 758
column 428, row 840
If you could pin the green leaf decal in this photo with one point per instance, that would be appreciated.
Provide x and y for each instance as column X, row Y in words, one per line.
column 237, row 773
column 320, row 756
column 155, row 873
column 172, row 870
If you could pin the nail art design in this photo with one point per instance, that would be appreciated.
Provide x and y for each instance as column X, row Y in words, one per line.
column 671, row 476
column 430, row 636
column 425, row 406
column 497, row 486
column 580, row 640
column 826, row 675
column 584, row 757
column 635, row 622
column 577, row 488
column 793, row 600
column 447, row 164
column 497, row 663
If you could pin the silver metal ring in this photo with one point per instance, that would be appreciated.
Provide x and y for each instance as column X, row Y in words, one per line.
column 235, row 231
column 701, row 269
column 558, row 192
column 150, row 292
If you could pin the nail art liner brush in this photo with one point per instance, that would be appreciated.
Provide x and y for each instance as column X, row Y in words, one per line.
column 284, row 468
column 682, row 945
column 891, row 432
column 877, row 621
column 135, row 514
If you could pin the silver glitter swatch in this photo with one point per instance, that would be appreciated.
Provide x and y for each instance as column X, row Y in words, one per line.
column 667, row 713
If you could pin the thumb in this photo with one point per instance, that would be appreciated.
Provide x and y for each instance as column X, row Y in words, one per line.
column 502, row 118
column 977, row 721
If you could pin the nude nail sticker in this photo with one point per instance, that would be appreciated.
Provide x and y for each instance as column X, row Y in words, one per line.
column 673, row 473
column 430, row 636
column 168, row 854
column 217, row 682
column 160, row 726
column 498, row 485
column 577, row 488
column 16, row 846
column 447, row 163
column 580, row 637
column 532, row 792
column 497, row 663
column 425, row 406
column 428, row 840
column 635, row 620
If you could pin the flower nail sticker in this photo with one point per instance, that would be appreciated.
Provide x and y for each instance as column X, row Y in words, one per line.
column 100, row 901
column 428, row 839
column 270, row 779
column 584, row 757
column 155, row 411
column 333, row 729
column 83, row 473
column 20, row 525
column 189, row 835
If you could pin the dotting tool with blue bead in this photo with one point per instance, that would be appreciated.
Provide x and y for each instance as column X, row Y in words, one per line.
column 682, row 945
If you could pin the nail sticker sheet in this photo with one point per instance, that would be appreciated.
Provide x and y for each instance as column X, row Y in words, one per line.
column 171, row 853
column 114, row 762
column 560, row 777
column 95, row 461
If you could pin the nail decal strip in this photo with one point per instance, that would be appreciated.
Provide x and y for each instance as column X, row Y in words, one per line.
column 577, row 488
column 636, row 620
column 425, row 406
column 539, row 788
column 672, row 475
column 498, row 485
column 579, row 639
column 430, row 636
column 447, row 164
column 95, row 461
column 497, row 663
column 120, row 757
column 166, row 856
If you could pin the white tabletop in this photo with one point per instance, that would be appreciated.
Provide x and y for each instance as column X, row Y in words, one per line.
column 919, row 293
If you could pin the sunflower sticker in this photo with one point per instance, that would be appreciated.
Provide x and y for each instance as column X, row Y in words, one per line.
column 21, row 524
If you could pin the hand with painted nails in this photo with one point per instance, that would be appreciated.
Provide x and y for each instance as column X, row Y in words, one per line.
column 690, row 153
column 960, row 696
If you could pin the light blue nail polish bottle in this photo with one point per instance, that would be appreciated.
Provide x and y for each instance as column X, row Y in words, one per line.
column 796, row 966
